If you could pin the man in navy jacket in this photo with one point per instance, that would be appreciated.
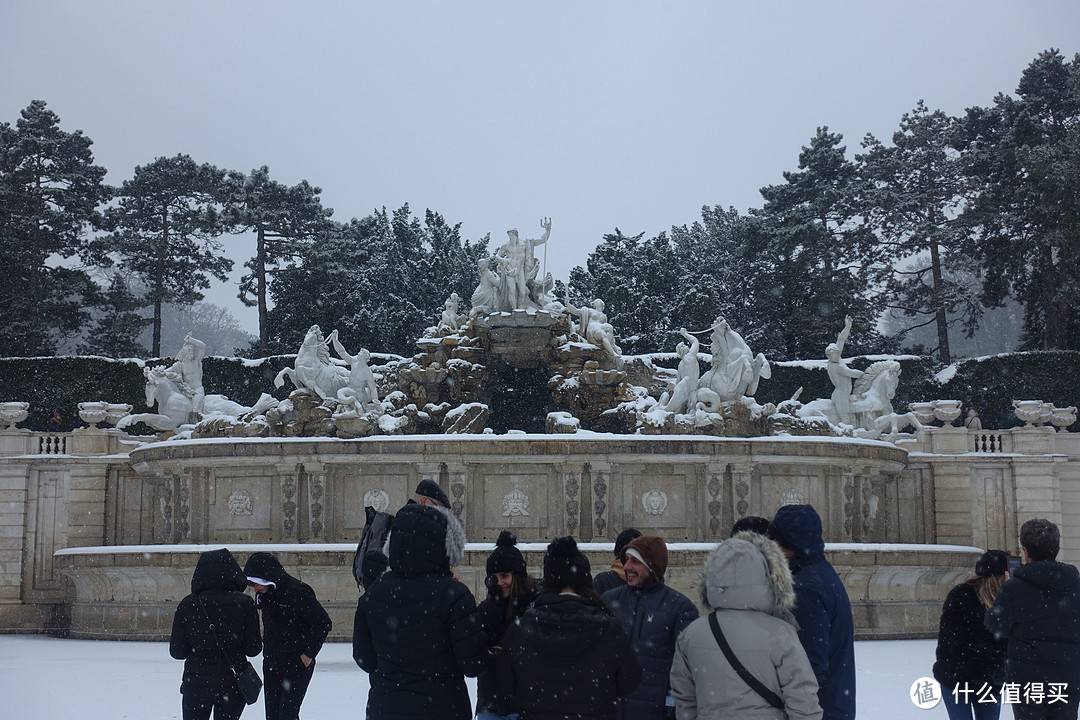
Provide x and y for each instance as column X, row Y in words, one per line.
column 822, row 609
column 653, row 615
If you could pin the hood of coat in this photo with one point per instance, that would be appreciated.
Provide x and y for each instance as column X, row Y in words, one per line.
column 798, row 528
column 425, row 539
column 217, row 570
column 1048, row 575
column 266, row 566
column 748, row 572
column 566, row 625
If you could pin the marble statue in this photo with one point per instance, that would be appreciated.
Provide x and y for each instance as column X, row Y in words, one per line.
column 683, row 398
column 595, row 328
column 362, row 392
column 485, row 299
column 186, row 373
column 522, row 266
column 449, row 321
column 841, row 375
column 175, row 406
column 314, row 369
column 513, row 284
column 735, row 372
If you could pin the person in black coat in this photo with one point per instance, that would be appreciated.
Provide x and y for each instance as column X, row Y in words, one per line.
column 510, row 593
column 217, row 597
column 567, row 657
column 417, row 632
column 968, row 655
column 1038, row 610
column 295, row 627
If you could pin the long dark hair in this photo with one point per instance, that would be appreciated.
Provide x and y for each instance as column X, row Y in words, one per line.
column 582, row 586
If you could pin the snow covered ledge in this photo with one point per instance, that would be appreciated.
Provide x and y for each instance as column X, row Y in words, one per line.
column 129, row 592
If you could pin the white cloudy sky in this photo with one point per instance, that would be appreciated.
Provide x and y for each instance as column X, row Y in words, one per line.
column 598, row 114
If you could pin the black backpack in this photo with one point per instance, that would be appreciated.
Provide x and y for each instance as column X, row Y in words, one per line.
column 369, row 562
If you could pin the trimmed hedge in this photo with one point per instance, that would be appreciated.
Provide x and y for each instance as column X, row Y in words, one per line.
column 988, row 384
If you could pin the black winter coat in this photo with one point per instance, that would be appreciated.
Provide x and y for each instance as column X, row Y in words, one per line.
column 294, row 623
column 653, row 617
column 1038, row 610
column 417, row 632
column 217, row 585
column 566, row 659
column 966, row 651
column 493, row 615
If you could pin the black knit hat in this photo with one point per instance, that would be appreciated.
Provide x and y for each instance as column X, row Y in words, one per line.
column 506, row 557
column 430, row 488
column 992, row 562
column 565, row 566
column 624, row 537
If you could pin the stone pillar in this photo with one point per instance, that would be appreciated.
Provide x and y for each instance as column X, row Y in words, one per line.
column 287, row 489
column 1038, row 491
column 13, row 501
column 718, row 514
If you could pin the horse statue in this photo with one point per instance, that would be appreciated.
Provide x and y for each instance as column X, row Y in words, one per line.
column 871, row 404
column 176, row 408
column 314, row 370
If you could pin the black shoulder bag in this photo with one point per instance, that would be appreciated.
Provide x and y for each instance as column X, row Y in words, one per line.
column 249, row 682
column 768, row 695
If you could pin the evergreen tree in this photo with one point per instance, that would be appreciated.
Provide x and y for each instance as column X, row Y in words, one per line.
column 815, row 259
column 1024, row 153
column 118, row 324
column 50, row 190
column 379, row 281
column 917, row 190
column 283, row 219
column 637, row 280
column 167, row 224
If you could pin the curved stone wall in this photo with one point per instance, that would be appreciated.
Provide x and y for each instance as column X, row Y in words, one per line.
column 685, row 489
column 131, row 592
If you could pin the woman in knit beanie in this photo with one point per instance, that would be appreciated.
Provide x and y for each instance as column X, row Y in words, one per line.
column 510, row 592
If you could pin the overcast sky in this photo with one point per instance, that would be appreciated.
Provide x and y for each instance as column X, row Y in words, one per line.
column 495, row 114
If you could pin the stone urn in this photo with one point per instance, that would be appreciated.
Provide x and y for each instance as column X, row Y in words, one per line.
column 946, row 410
column 1032, row 412
column 114, row 412
column 13, row 412
column 93, row 412
column 924, row 411
column 1062, row 418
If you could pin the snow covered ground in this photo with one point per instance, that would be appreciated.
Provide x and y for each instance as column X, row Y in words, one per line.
column 45, row 678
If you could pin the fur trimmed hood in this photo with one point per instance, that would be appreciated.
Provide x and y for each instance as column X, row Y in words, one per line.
column 425, row 539
column 748, row 572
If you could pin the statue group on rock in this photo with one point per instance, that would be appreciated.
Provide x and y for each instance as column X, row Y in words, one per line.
column 345, row 391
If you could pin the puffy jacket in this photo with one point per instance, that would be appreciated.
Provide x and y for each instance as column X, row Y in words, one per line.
column 566, row 659
column 494, row 617
column 217, row 596
column 822, row 610
column 294, row 623
column 966, row 651
column 417, row 632
column 1038, row 610
column 748, row 585
column 652, row 617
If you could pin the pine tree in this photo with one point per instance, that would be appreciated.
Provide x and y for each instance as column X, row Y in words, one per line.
column 283, row 219
column 815, row 258
column 50, row 190
column 119, row 323
column 1024, row 155
column 916, row 192
column 167, row 224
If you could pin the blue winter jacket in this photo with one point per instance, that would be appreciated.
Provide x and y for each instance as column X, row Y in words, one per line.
column 822, row 609
column 653, row 617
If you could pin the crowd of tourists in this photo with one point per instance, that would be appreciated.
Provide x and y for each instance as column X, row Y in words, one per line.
column 777, row 639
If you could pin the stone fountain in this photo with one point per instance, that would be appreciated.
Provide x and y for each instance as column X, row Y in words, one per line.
column 528, row 415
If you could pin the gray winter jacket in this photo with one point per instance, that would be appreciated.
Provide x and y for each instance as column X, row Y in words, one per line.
column 748, row 584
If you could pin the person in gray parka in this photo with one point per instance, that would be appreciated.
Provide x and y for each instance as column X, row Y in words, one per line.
column 747, row 585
